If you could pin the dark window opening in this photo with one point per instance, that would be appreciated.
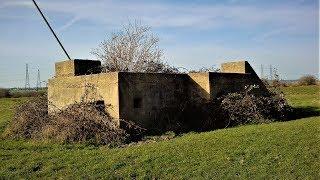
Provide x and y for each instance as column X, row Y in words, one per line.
column 137, row 103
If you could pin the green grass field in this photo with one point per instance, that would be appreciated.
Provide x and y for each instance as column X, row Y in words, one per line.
column 284, row 150
column 303, row 96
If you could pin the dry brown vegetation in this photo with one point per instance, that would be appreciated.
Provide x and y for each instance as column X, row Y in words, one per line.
column 81, row 122
column 249, row 108
column 4, row 93
column 233, row 109
column 307, row 80
column 87, row 122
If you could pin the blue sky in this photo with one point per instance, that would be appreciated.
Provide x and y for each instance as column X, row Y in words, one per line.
column 193, row 33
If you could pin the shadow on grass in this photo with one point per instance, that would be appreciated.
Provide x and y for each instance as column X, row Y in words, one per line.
column 304, row 112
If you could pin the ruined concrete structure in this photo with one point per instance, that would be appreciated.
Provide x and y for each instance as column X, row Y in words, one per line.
column 143, row 97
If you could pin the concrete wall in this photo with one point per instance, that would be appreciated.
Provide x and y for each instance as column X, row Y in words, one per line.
column 224, row 83
column 234, row 77
column 64, row 91
column 152, row 99
column 65, row 68
column 234, row 67
column 199, row 86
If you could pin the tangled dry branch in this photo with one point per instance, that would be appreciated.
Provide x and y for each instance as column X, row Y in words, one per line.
column 133, row 49
column 85, row 121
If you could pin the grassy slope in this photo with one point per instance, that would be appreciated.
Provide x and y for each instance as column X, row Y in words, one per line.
column 284, row 150
column 303, row 96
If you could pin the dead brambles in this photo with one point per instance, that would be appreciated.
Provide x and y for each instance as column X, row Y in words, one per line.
column 81, row 122
column 249, row 108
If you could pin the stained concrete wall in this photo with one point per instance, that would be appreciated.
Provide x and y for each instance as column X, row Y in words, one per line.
column 152, row 99
column 238, row 67
column 65, row 68
column 224, row 83
column 234, row 77
column 64, row 91
column 234, row 67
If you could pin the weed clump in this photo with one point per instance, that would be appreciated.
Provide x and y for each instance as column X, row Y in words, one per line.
column 29, row 119
column 249, row 108
column 4, row 93
column 81, row 122
column 307, row 80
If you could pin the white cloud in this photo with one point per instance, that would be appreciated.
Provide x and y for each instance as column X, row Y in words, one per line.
column 15, row 3
column 113, row 13
column 68, row 24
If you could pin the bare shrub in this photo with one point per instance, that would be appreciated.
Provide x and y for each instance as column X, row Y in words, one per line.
column 307, row 80
column 249, row 108
column 82, row 122
column 134, row 49
column 4, row 93
column 17, row 93
column 29, row 119
column 239, row 108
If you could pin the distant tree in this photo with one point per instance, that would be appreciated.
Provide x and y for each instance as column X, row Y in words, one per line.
column 307, row 80
column 134, row 49
column 4, row 93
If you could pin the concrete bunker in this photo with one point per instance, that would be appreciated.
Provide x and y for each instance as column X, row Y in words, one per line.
column 148, row 99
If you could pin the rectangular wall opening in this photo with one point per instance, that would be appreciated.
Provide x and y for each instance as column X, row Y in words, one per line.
column 137, row 103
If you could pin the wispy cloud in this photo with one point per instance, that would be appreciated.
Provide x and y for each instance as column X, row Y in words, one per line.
column 68, row 24
column 165, row 15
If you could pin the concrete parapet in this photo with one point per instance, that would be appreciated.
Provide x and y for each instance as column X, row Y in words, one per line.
column 77, row 67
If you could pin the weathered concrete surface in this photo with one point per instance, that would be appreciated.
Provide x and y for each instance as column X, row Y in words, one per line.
column 234, row 67
column 224, row 83
column 64, row 91
column 151, row 100
column 234, row 77
column 65, row 68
